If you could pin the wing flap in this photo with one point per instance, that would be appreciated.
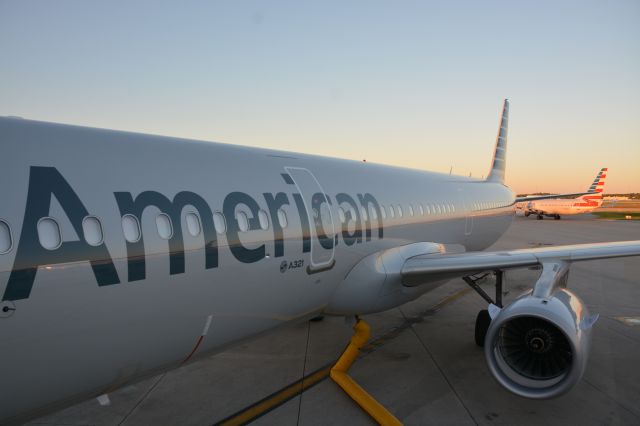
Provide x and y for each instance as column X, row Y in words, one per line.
column 420, row 269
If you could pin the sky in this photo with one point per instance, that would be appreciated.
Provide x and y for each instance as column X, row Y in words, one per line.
column 411, row 83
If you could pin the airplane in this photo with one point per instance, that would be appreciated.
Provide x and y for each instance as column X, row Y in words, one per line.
column 125, row 255
column 587, row 203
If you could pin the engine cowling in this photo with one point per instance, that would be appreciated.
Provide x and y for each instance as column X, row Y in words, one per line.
column 537, row 347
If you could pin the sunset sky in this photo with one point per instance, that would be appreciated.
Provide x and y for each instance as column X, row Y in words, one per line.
column 410, row 83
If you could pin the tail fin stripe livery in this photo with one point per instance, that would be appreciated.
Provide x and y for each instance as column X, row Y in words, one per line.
column 597, row 187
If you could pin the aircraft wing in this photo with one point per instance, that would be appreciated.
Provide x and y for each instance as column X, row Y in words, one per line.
column 550, row 197
column 420, row 269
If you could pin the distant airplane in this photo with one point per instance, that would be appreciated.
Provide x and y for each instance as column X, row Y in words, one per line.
column 565, row 206
column 124, row 255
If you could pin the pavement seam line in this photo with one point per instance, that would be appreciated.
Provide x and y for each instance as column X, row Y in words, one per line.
column 304, row 370
column 424, row 346
column 286, row 393
column 146, row 394
column 633, row 413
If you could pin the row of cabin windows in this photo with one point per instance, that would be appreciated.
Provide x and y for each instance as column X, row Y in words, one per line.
column 50, row 236
column 392, row 211
column 434, row 209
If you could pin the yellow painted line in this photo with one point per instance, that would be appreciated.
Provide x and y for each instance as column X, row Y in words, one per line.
column 276, row 399
column 285, row 394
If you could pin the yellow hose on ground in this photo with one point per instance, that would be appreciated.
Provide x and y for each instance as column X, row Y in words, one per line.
column 360, row 396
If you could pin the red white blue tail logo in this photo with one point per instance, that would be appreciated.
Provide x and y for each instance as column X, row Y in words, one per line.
column 594, row 200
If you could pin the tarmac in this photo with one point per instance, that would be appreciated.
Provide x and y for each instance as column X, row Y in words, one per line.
column 423, row 365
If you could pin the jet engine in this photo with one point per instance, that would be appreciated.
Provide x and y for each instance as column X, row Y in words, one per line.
column 537, row 347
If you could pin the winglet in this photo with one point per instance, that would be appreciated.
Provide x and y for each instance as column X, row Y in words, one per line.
column 500, row 155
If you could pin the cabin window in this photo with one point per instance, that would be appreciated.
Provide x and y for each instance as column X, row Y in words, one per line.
column 263, row 219
column 352, row 214
column 410, row 210
column 373, row 214
column 49, row 233
column 219, row 223
column 165, row 229
column 282, row 218
column 363, row 214
column 325, row 216
column 193, row 224
column 131, row 228
column 92, row 229
column 5, row 237
column 243, row 221
column 392, row 213
column 421, row 209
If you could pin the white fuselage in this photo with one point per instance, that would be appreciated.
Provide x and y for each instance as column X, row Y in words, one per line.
column 93, row 311
column 562, row 206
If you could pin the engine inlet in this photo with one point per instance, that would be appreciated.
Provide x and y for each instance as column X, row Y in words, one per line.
column 534, row 348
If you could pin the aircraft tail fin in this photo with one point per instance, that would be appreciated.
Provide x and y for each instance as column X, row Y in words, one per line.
column 496, row 174
column 596, row 188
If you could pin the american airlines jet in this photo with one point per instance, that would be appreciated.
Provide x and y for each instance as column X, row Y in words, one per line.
column 124, row 255
column 587, row 203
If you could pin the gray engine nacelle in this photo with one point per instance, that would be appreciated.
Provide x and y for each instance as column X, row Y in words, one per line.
column 537, row 347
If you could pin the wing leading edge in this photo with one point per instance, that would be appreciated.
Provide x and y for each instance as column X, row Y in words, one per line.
column 420, row 269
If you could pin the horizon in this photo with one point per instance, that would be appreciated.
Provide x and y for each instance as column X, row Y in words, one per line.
column 412, row 85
